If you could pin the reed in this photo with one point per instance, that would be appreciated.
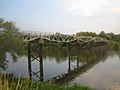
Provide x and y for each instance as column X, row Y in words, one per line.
column 11, row 83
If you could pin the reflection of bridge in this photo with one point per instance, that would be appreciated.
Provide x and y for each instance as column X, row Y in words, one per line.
column 35, row 42
column 78, row 68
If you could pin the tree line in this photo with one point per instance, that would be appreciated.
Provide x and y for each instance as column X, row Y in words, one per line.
column 109, row 36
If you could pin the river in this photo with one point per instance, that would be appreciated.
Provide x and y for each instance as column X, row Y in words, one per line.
column 99, row 68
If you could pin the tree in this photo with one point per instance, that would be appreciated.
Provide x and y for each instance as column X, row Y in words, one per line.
column 86, row 34
column 102, row 34
column 111, row 36
column 10, row 40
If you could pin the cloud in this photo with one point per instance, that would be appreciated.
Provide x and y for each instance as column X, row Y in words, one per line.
column 93, row 8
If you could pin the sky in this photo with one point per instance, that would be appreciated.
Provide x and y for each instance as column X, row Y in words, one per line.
column 64, row 16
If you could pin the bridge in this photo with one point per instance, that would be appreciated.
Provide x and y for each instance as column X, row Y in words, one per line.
column 35, row 42
column 60, row 38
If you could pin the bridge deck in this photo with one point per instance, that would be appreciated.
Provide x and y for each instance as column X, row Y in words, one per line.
column 60, row 38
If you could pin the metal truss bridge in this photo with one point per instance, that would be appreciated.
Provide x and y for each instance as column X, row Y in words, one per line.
column 35, row 42
column 60, row 38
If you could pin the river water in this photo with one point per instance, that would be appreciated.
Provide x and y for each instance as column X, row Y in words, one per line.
column 99, row 68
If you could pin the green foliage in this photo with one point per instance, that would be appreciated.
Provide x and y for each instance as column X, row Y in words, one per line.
column 114, row 45
column 23, row 84
column 102, row 34
column 93, row 34
column 109, row 36
column 9, row 36
column 10, row 40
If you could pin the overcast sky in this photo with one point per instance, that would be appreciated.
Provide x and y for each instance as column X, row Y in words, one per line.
column 64, row 16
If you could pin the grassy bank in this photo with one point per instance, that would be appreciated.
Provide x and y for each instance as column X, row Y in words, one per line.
column 7, row 83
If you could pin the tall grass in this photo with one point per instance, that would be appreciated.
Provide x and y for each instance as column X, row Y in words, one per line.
column 11, row 83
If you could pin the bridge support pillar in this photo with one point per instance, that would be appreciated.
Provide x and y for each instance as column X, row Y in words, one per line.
column 35, row 54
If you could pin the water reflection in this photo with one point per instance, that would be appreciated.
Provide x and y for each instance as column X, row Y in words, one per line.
column 78, row 63
column 103, row 75
column 60, row 54
column 81, row 63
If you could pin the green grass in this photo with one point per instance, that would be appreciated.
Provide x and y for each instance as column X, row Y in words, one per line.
column 7, row 83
